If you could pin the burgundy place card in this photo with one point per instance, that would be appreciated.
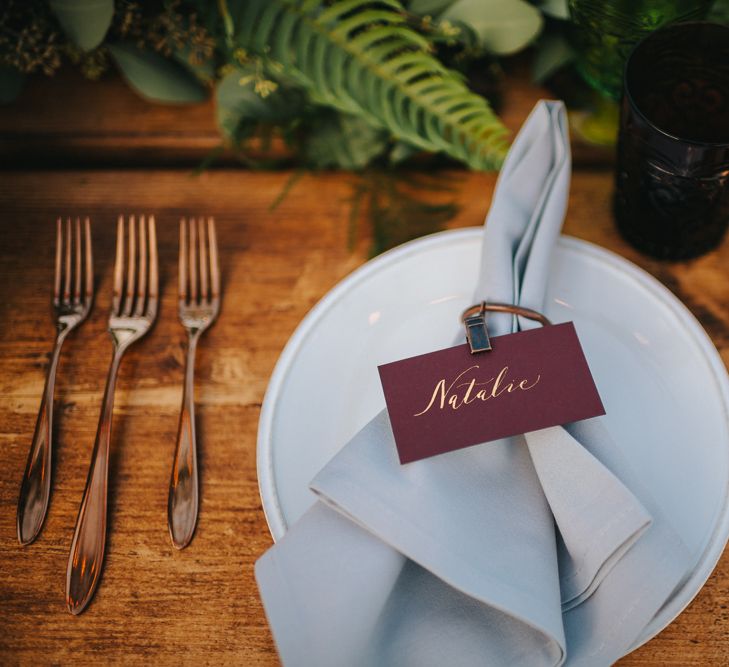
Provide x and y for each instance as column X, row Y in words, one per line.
column 451, row 398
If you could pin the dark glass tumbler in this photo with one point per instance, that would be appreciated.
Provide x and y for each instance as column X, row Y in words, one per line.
column 672, row 186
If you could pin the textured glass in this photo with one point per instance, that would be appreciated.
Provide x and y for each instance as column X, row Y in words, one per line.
column 672, row 189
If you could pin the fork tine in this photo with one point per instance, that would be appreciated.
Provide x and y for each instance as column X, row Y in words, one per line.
column 131, row 266
column 203, row 252
column 118, row 267
column 153, row 289
column 182, row 263
column 142, row 280
column 214, row 266
column 67, row 264
column 57, row 271
column 193, row 261
column 77, row 263
column 89, row 261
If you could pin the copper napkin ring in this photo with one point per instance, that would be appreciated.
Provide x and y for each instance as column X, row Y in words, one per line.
column 474, row 319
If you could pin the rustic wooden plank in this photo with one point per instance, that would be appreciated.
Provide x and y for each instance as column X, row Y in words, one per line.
column 66, row 120
column 200, row 606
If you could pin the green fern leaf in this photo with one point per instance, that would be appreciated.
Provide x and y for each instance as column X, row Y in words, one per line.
column 360, row 57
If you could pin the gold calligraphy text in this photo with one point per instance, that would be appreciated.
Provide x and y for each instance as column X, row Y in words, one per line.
column 464, row 389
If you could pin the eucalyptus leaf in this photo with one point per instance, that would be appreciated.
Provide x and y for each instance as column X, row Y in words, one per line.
column 503, row 26
column 85, row 22
column 553, row 52
column 343, row 141
column 236, row 102
column 11, row 83
column 557, row 9
column 156, row 78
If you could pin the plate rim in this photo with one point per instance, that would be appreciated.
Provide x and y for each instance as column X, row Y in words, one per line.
column 264, row 455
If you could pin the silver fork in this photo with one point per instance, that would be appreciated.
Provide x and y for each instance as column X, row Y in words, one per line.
column 199, row 303
column 133, row 311
column 73, row 293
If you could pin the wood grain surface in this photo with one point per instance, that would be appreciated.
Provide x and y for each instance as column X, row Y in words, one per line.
column 200, row 606
column 67, row 120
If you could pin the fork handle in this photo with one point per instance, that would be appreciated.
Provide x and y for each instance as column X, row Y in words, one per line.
column 182, row 503
column 89, row 538
column 35, row 489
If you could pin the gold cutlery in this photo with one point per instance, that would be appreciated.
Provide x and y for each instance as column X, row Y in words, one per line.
column 133, row 311
column 199, row 303
column 73, row 293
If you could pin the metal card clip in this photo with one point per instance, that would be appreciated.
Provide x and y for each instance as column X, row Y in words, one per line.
column 477, row 334
column 474, row 317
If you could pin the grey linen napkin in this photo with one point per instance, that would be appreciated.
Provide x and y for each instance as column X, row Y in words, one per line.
column 455, row 559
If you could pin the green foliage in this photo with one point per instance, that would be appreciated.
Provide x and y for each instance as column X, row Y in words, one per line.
column 360, row 57
column 343, row 141
column 498, row 27
column 244, row 98
column 85, row 22
column 503, row 27
column 156, row 78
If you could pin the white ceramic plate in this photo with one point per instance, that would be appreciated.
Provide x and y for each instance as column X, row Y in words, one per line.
column 662, row 381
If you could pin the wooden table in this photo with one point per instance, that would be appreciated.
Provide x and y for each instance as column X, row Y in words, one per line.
column 201, row 606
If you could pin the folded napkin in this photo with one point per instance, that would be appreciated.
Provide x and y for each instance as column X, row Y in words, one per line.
column 455, row 559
